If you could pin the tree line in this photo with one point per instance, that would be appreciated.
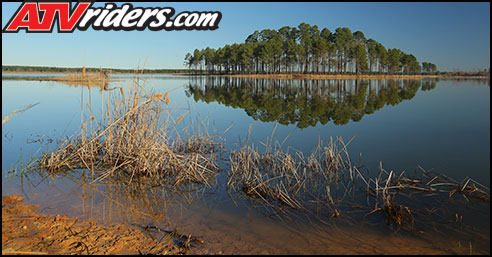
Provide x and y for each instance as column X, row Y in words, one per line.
column 306, row 49
column 17, row 68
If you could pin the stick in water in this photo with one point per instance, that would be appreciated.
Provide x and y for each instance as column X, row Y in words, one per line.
column 23, row 109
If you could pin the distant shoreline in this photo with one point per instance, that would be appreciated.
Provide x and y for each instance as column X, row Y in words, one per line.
column 347, row 76
column 67, row 73
column 284, row 76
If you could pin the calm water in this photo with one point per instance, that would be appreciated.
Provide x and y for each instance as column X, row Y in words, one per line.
column 442, row 125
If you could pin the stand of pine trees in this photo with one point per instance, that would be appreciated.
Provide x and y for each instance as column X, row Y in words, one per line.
column 305, row 49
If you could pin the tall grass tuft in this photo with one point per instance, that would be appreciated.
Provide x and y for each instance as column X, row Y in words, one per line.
column 137, row 137
column 284, row 180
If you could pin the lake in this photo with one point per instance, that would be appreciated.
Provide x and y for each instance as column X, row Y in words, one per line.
column 440, row 125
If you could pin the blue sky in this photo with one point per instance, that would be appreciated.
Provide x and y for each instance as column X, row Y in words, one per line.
column 451, row 35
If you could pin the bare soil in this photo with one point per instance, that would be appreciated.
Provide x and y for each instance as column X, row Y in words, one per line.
column 26, row 231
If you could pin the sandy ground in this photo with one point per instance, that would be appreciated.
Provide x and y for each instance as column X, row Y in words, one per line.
column 26, row 231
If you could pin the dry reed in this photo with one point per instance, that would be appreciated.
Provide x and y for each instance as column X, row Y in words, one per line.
column 23, row 109
column 278, row 179
column 137, row 137
column 281, row 179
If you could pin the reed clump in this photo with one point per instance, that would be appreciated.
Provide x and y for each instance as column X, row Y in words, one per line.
column 327, row 184
column 413, row 188
column 282, row 179
column 136, row 135
column 81, row 77
column 95, row 79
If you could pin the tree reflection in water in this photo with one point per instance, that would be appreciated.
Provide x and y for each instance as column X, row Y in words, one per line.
column 305, row 102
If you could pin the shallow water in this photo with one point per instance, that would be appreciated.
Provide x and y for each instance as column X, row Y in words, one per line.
column 442, row 125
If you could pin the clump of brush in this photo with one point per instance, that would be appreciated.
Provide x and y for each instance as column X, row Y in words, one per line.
column 282, row 179
column 136, row 135
column 388, row 186
column 326, row 183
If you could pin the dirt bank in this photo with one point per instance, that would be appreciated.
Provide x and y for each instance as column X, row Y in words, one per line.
column 26, row 231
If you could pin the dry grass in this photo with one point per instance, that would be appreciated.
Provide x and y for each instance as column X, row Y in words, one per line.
column 135, row 136
column 327, row 184
column 89, row 76
column 385, row 188
column 90, row 79
column 281, row 179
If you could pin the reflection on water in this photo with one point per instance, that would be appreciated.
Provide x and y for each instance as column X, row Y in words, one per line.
column 231, row 223
column 102, row 85
column 208, row 213
column 306, row 102
column 117, row 199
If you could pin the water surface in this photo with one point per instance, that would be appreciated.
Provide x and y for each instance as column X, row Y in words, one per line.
column 438, row 124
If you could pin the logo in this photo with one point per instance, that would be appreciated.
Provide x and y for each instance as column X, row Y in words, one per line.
column 40, row 17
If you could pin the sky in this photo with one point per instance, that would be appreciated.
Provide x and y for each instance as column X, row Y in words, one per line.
column 454, row 36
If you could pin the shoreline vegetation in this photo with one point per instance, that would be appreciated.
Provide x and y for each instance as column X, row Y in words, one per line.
column 99, row 79
column 65, row 70
column 76, row 77
column 351, row 76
